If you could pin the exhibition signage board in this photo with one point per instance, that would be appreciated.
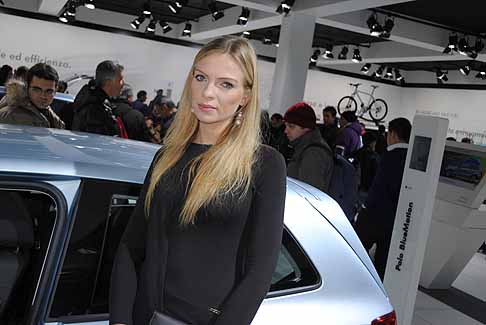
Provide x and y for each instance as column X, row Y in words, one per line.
column 414, row 213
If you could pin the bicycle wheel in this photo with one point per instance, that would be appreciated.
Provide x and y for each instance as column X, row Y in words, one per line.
column 347, row 103
column 378, row 110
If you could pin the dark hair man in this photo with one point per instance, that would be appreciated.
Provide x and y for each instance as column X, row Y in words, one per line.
column 92, row 109
column 140, row 105
column 29, row 104
column 375, row 221
column 312, row 160
column 21, row 73
column 278, row 138
column 329, row 129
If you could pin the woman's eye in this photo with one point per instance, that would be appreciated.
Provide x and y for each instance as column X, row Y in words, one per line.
column 199, row 77
column 227, row 85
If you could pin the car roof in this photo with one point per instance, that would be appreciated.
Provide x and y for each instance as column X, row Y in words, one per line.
column 78, row 154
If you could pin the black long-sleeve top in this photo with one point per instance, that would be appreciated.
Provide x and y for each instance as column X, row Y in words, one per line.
column 225, row 261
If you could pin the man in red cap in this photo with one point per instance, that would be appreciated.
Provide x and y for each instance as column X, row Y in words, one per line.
column 312, row 160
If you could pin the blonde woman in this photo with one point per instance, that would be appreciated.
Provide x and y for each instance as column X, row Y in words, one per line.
column 202, row 244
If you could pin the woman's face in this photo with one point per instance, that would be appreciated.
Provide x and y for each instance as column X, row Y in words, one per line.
column 217, row 89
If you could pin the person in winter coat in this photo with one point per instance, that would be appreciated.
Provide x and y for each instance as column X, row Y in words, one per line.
column 29, row 104
column 375, row 221
column 349, row 135
column 312, row 160
column 92, row 108
column 133, row 120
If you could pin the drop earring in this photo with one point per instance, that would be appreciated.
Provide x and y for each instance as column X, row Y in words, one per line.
column 238, row 119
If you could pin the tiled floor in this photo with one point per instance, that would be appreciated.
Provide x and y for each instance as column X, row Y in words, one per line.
column 429, row 311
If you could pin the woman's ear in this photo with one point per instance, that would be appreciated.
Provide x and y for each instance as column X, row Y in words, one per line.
column 246, row 98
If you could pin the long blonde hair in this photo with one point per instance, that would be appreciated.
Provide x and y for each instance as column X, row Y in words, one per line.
column 226, row 167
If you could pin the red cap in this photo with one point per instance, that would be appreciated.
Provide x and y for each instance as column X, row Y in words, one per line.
column 301, row 114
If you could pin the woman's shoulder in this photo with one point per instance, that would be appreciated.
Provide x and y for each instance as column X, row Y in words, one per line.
column 268, row 153
column 269, row 160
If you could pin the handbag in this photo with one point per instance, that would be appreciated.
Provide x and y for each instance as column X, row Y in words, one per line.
column 159, row 318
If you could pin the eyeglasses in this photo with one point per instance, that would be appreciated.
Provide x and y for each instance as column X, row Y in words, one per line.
column 38, row 91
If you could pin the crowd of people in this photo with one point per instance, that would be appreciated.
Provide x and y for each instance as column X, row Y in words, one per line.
column 105, row 105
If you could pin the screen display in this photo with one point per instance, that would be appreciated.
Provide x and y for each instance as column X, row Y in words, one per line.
column 420, row 153
column 462, row 169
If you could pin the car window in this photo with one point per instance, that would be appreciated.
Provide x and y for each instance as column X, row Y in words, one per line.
column 27, row 219
column 103, row 211
column 294, row 270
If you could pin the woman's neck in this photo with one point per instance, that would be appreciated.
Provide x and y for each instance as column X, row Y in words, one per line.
column 209, row 133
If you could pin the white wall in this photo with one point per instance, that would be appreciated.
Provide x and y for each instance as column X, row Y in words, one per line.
column 150, row 65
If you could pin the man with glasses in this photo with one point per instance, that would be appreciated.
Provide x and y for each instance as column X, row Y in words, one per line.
column 29, row 104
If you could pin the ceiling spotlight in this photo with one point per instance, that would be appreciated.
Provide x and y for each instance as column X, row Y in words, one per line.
column 285, row 6
column 146, row 9
column 187, row 30
column 71, row 9
column 379, row 72
column 90, row 4
column 344, row 53
column 246, row 33
column 328, row 52
column 151, row 26
column 366, row 68
column 482, row 73
column 137, row 22
column 465, row 70
column 243, row 18
column 479, row 46
column 357, row 56
column 217, row 14
column 315, row 56
column 165, row 27
column 398, row 75
column 176, row 6
column 463, row 46
column 267, row 39
column 387, row 28
column 374, row 25
column 63, row 18
column 389, row 73
column 441, row 76
column 452, row 46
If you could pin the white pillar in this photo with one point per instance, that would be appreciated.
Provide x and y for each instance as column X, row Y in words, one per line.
column 295, row 49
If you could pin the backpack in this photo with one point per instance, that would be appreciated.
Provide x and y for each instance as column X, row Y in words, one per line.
column 122, row 132
column 343, row 187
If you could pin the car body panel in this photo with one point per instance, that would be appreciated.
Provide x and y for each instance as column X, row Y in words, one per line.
column 350, row 291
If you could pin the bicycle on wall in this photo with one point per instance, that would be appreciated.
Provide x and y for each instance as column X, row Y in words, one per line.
column 376, row 108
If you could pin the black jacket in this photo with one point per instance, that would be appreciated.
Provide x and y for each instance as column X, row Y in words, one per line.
column 133, row 120
column 383, row 195
column 312, row 160
column 93, row 112
column 329, row 134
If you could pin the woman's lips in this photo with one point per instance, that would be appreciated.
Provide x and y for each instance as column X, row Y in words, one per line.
column 206, row 108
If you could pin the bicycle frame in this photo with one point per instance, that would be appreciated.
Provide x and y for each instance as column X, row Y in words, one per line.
column 356, row 93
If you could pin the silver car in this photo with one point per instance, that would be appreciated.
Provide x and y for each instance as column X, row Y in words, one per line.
column 66, row 198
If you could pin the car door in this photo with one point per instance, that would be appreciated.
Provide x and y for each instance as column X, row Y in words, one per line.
column 81, row 292
column 45, row 206
column 103, row 212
